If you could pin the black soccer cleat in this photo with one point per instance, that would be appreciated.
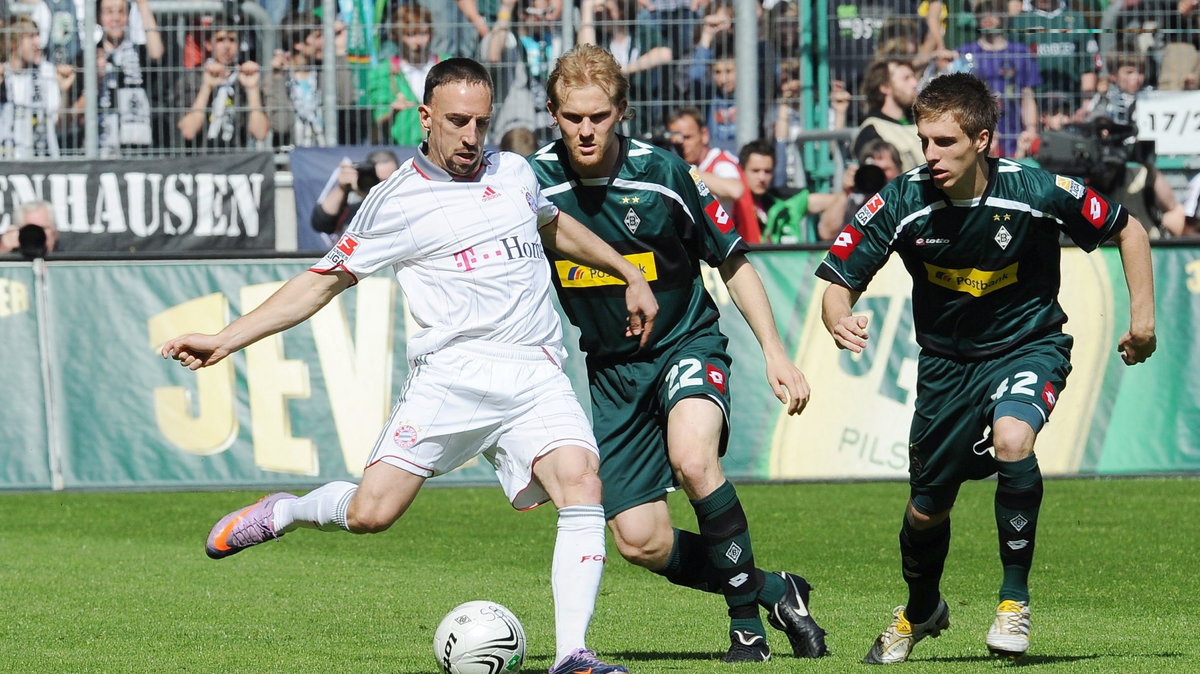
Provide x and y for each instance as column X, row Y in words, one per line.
column 746, row 646
column 791, row 616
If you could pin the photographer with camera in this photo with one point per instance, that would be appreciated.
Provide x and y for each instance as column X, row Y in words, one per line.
column 223, row 99
column 32, row 233
column 1107, row 156
column 341, row 199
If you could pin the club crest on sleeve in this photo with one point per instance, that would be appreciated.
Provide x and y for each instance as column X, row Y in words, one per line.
column 719, row 216
column 1072, row 187
column 1095, row 209
column 845, row 242
column 869, row 209
column 529, row 200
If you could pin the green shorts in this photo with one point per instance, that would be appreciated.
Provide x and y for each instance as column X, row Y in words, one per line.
column 630, row 404
column 950, row 438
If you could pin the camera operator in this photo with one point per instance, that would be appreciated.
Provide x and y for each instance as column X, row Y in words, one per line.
column 32, row 233
column 223, row 99
column 341, row 201
column 1111, row 160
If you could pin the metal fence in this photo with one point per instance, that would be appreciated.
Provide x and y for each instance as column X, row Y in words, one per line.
column 181, row 77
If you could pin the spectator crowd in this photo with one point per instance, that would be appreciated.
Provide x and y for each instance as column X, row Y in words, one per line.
column 172, row 83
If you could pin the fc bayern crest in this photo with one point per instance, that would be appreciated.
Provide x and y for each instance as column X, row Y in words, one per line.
column 405, row 436
column 632, row 221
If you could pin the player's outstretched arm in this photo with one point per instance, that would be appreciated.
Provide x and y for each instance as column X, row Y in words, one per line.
column 298, row 299
column 837, row 312
column 1136, row 345
column 571, row 239
column 750, row 297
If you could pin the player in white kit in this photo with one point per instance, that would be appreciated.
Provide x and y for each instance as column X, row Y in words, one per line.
column 463, row 231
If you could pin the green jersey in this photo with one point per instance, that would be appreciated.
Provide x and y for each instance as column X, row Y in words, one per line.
column 1060, row 40
column 655, row 211
column 985, row 271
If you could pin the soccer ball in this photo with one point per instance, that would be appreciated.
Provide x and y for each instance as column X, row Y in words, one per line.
column 479, row 637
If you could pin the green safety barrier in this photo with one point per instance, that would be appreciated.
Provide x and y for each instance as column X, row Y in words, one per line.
column 87, row 401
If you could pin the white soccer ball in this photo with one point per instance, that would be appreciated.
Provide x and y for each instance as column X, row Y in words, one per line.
column 479, row 637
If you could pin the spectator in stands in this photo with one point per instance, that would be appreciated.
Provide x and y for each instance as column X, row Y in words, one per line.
column 223, row 98
column 883, row 154
column 1057, row 110
column 1009, row 69
column 397, row 84
column 1126, row 77
column 638, row 48
column 530, row 44
column 783, row 214
column 1059, row 37
column 297, row 98
column 31, row 214
column 520, row 140
column 890, row 87
column 855, row 27
column 31, row 93
column 1191, row 208
column 121, row 62
column 455, row 34
column 58, row 24
column 1181, row 53
column 717, row 168
column 342, row 198
column 714, row 75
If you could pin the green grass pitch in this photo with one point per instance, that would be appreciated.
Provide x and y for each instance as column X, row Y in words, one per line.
column 105, row 582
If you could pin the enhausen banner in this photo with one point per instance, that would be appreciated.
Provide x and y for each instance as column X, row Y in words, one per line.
column 178, row 204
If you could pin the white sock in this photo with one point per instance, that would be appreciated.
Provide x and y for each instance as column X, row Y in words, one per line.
column 323, row 508
column 575, row 575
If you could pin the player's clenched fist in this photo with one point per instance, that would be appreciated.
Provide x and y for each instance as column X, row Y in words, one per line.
column 195, row 351
column 850, row 333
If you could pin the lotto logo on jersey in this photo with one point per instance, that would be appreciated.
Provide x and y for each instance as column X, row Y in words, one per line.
column 1095, row 209
column 869, row 209
column 715, row 377
column 1049, row 395
column 719, row 216
column 1072, row 187
column 845, row 242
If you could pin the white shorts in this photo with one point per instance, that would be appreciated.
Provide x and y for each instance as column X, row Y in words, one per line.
column 511, row 404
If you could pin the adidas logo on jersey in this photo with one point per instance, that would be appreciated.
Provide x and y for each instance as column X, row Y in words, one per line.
column 489, row 193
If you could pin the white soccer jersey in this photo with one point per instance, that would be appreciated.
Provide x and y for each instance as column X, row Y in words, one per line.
column 467, row 254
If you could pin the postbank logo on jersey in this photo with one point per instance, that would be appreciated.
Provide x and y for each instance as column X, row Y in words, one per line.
column 1095, row 209
column 845, row 242
column 1072, row 187
column 572, row 275
column 869, row 209
column 976, row 282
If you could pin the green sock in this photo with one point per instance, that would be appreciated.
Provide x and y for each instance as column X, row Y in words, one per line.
column 1018, row 500
column 923, row 558
column 726, row 536
column 688, row 564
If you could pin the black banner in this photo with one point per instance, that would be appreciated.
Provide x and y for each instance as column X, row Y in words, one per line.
column 171, row 204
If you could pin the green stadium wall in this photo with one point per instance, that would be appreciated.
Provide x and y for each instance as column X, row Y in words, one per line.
column 87, row 402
